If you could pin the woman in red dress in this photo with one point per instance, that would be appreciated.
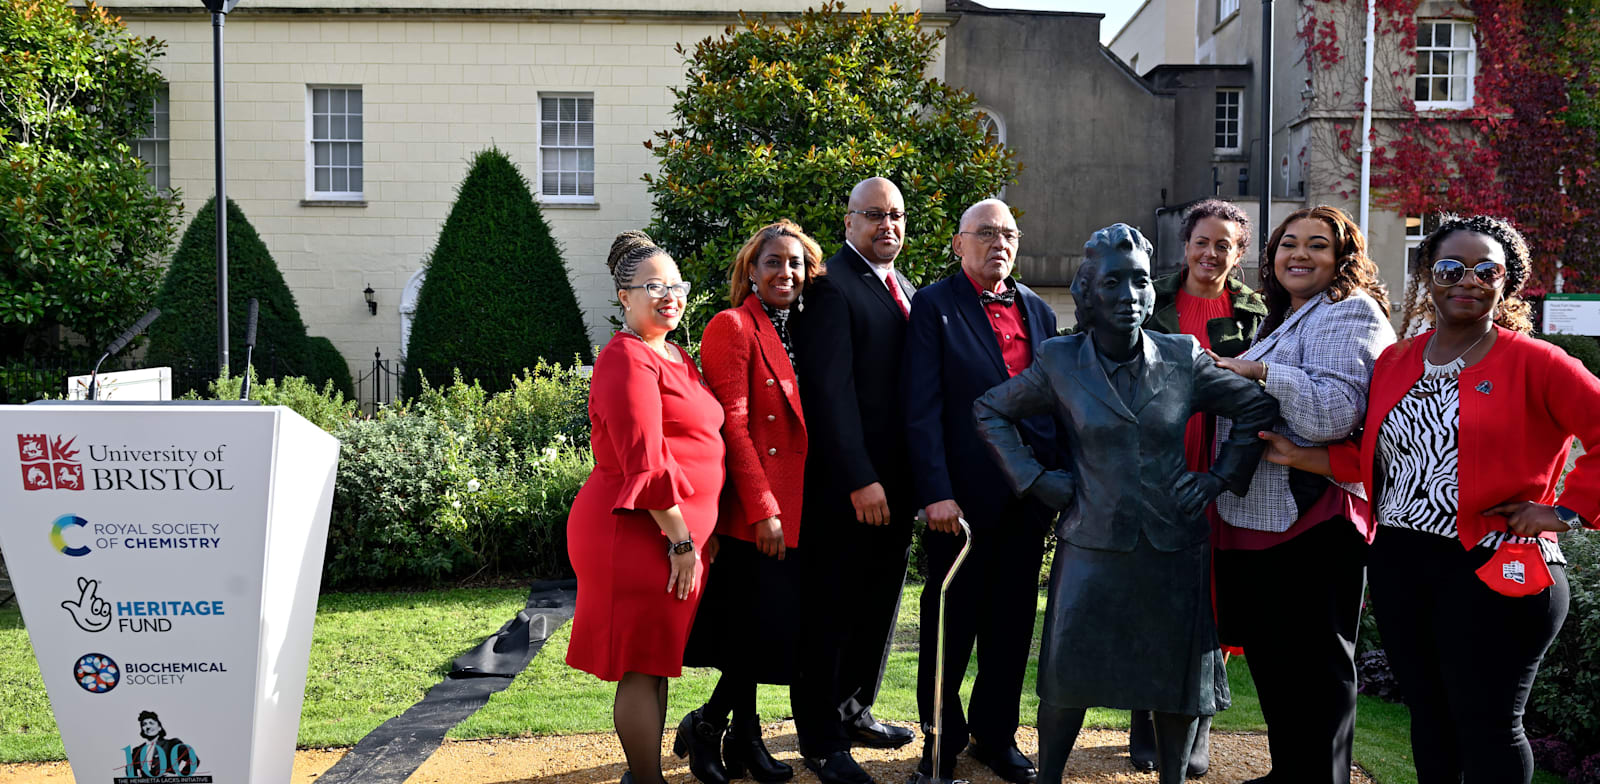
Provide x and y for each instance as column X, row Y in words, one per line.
column 746, row 626
column 637, row 527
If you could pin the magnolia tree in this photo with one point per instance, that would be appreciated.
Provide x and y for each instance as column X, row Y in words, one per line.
column 81, row 230
column 779, row 121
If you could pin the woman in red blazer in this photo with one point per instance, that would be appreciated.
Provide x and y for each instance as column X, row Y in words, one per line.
column 746, row 627
column 1468, row 427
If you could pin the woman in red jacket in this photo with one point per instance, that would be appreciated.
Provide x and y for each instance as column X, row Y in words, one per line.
column 746, row 626
column 1468, row 427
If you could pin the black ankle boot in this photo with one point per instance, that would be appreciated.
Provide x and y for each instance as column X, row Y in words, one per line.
column 1200, row 755
column 1141, row 740
column 700, row 740
column 743, row 751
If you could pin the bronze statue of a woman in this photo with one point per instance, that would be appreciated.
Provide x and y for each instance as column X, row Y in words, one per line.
column 1129, row 622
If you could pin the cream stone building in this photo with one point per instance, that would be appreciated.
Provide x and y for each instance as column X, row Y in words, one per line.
column 350, row 124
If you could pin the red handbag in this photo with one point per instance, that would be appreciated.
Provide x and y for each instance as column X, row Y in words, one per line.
column 1517, row 569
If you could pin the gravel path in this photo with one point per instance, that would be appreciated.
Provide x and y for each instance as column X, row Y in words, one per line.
column 1101, row 758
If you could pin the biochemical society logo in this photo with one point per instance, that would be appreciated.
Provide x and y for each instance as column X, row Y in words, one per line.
column 93, row 613
column 54, row 462
column 98, row 673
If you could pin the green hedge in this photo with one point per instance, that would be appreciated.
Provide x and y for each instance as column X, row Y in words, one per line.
column 458, row 481
column 1582, row 347
column 496, row 298
column 185, row 337
column 1566, row 696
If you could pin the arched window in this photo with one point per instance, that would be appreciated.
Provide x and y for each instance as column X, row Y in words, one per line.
column 408, row 308
column 994, row 132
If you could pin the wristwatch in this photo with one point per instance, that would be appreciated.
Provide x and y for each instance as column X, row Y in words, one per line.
column 1572, row 519
column 679, row 548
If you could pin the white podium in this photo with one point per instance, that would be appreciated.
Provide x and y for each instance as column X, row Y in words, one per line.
column 167, row 559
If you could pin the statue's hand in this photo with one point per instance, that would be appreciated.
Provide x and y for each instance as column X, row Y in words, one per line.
column 1195, row 489
column 1054, row 489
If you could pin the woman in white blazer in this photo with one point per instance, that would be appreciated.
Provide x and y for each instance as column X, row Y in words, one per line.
column 1291, row 554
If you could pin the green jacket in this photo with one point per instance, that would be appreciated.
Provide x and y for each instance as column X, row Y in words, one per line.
column 1229, row 337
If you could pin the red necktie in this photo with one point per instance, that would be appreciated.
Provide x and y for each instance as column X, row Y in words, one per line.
column 894, row 291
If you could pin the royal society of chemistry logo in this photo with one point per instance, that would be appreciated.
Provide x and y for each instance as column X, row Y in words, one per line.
column 49, row 462
column 58, row 535
column 96, row 673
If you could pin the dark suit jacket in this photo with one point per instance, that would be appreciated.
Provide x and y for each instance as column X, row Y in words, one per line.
column 1127, row 459
column 848, row 341
column 951, row 358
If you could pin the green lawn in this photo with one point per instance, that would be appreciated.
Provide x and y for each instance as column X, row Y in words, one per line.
column 411, row 638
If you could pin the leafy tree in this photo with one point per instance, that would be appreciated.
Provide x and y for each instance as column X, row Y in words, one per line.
column 81, row 230
column 496, row 299
column 780, row 122
column 185, row 337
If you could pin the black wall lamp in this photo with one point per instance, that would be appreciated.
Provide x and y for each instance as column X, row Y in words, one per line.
column 372, row 299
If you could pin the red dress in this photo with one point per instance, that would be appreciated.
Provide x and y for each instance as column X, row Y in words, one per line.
column 656, row 436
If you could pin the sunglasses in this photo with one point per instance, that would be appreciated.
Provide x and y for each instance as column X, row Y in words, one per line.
column 1449, row 272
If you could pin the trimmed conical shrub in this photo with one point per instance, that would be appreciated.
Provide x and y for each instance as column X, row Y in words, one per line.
column 496, row 299
column 185, row 337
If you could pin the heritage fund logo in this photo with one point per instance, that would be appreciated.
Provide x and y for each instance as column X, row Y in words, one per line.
column 94, row 614
column 49, row 462
column 158, row 758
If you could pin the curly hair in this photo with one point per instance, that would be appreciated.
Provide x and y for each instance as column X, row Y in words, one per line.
column 1221, row 210
column 1118, row 238
column 1512, row 312
column 1353, row 268
column 744, row 263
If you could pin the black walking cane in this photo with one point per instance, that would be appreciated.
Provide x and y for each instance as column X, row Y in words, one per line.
column 918, row 777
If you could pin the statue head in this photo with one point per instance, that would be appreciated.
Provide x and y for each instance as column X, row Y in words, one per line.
column 1112, row 287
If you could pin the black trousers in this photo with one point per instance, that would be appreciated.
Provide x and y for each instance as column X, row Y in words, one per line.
column 1296, row 608
column 1465, row 656
column 851, row 582
column 992, row 605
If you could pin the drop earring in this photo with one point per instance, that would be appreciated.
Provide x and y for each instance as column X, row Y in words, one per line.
column 800, row 302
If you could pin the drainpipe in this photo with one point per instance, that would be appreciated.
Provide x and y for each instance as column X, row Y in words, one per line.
column 1366, row 119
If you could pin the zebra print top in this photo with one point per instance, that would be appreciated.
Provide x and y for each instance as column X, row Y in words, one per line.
column 1417, row 449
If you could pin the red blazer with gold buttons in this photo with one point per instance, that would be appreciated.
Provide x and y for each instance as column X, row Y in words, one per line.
column 764, row 429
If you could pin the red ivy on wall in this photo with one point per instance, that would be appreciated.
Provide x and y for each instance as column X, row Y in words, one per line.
column 1528, row 147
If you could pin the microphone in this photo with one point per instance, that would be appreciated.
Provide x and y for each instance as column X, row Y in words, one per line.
column 119, row 344
column 249, row 347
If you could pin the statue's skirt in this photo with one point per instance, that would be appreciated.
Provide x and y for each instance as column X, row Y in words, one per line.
column 1132, row 630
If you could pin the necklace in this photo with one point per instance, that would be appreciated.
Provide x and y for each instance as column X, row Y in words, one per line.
column 1443, row 371
column 663, row 352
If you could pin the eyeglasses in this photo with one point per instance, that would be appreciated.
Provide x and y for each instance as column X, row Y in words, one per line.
column 987, row 235
column 878, row 215
column 659, row 290
column 1449, row 272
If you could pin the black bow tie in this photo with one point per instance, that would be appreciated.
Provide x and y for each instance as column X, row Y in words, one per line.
column 1006, row 298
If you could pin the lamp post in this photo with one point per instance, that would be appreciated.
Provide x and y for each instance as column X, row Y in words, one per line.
column 219, row 11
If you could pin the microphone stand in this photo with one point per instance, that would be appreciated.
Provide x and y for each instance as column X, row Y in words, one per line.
column 117, row 345
column 249, row 348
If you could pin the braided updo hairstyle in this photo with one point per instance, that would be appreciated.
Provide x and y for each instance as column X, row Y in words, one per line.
column 1513, row 312
column 628, row 251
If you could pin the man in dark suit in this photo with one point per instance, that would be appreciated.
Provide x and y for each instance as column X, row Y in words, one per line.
column 858, row 507
column 970, row 332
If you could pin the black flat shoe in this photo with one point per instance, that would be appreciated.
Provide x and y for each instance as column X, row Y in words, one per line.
column 743, row 751
column 1007, row 763
column 1141, row 740
column 627, row 777
column 869, row 732
column 701, row 741
column 838, row 768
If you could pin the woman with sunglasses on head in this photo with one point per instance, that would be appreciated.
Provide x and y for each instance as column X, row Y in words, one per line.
column 1205, row 299
column 1291, row 555
column 1467, row 431
column 637, row 527
column 746, row 626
